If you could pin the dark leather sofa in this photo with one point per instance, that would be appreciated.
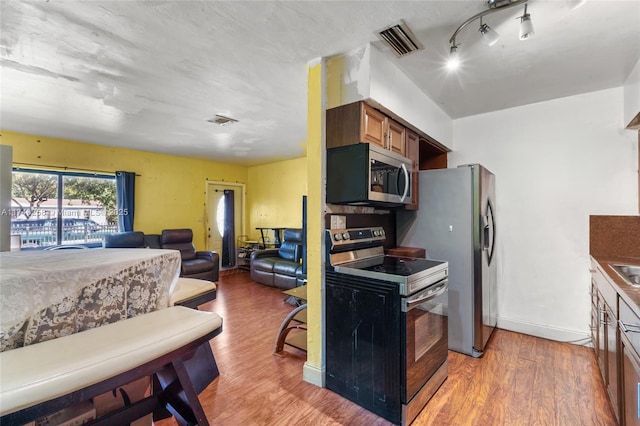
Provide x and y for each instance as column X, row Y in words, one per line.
column 134, row 239
column 202, row 265
column 280, row 267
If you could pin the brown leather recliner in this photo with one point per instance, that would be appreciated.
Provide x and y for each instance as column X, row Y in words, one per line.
column 279, row 267
column 203, row 265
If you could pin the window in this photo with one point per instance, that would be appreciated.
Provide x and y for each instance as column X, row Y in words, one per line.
column 57, row 208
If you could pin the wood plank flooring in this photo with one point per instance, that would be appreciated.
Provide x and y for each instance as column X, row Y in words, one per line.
column 520, row 380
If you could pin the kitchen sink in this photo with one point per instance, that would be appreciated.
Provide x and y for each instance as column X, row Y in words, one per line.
column 631, row 274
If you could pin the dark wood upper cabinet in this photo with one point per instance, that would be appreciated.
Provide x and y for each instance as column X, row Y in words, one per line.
column 359, row 122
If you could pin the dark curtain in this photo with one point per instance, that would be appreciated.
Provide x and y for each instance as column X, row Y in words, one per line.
column 304, row 235
column 125, row 196
column 229, row 238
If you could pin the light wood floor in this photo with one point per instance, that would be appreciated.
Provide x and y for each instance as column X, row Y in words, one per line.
column 521, row 380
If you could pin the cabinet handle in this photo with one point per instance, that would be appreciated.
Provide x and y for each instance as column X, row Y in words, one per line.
column 593, row 271
column 629, row 328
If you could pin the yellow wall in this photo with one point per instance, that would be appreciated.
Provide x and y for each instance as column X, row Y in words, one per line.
column 170, row 191
column 274, row 195
column 315, row 221
column 334, row 84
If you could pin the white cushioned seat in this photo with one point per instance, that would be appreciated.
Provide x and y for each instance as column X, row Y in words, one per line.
column 190, row 288
column 47, row 370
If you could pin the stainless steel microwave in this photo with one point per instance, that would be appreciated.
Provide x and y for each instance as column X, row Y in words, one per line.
column 365, row 174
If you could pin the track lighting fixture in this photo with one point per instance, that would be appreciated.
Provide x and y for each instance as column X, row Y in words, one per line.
column 488, row 34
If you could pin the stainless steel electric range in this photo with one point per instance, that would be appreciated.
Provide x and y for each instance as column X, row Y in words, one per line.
column 386, row 324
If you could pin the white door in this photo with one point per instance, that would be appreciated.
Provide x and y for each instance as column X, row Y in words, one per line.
column 216, row 211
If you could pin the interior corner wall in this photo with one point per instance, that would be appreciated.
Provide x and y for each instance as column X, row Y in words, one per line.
column 274, row 195
column 170, row 190
column 556, row 163
column 391, row 88
column 348, row 77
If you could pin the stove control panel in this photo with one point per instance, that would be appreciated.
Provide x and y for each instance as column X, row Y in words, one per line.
column 356, row 235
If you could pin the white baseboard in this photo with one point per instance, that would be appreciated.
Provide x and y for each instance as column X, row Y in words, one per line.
column 313, row 374
column 544, row 331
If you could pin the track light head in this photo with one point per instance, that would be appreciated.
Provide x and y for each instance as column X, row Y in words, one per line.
column 488, row 34
column 526, row 26
column 454, row 59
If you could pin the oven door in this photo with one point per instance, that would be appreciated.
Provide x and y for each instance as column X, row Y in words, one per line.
column 424, row 336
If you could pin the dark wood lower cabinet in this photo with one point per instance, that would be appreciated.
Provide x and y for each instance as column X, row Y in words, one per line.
column 615, row 330
column 363, row 343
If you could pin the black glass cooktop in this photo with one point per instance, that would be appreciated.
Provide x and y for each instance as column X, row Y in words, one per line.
column 396, row 265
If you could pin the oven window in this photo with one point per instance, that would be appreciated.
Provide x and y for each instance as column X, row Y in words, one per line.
column 428, row 330
column 426, row 342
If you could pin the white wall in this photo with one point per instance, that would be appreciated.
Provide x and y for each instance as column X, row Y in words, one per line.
column 556, row 163
column 632, row 94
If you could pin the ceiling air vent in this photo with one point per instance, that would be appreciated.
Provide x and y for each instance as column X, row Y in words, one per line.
column 401, row 39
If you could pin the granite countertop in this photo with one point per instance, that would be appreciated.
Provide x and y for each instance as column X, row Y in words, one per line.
column 629, row 293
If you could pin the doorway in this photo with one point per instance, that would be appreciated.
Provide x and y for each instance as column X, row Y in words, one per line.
column 225, row 222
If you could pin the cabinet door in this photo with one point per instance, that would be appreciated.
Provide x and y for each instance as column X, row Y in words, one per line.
column 629, row 328
column 612, row 359
column 630, row 386
column 602, row 340
column 373, row 126
column 396, row 137
column 413, row 154
column 594, row 327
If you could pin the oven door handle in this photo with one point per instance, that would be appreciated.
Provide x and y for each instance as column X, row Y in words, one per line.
column 424, row 296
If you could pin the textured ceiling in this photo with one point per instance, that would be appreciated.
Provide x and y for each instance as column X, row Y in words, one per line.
column 148, row 74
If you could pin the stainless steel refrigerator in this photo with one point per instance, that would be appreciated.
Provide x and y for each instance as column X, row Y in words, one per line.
column 456, row 222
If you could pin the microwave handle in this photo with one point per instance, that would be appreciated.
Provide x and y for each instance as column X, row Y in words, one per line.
column 406, row 182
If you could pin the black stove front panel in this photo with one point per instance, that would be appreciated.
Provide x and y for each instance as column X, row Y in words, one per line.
column 363, row 343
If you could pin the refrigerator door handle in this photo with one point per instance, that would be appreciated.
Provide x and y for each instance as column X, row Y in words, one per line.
column 485, row 232
column 488, row 232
